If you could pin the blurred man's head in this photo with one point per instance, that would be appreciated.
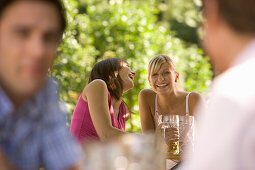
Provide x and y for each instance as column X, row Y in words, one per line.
column 30, row 31
column 226, row 22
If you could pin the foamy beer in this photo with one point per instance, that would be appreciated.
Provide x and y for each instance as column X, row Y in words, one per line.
column 169, row 130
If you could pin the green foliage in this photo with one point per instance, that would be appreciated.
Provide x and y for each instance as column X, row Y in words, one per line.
column 103, row 29
column 182, row 16
column 184, row 11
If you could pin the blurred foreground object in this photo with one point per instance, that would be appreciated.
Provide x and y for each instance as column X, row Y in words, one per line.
column 129, row 152
column 5, row 164
column 226, row 129
column 33, row 132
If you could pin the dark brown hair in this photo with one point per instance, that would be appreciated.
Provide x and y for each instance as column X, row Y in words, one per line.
column 105, row 70
column 57, row 3
column 239, row 14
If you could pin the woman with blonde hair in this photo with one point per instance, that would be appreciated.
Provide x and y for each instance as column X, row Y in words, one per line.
column 165, row 98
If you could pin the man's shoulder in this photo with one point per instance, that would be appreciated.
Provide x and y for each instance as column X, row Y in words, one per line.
column 237, row 84
column 6, row 105
column 50, row 89
column 47, row 104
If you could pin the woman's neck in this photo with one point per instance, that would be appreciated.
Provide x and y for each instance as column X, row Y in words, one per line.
column 169, row 98
column 116, row 102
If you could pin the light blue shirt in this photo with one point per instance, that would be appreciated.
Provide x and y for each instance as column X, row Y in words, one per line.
column 36, row 135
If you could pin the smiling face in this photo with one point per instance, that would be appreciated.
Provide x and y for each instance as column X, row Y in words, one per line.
column 29, row 35
column 127, row 76
column 164, row 79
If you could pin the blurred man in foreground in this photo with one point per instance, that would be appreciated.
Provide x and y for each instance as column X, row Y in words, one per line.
column 226, row 137
column 32, row 127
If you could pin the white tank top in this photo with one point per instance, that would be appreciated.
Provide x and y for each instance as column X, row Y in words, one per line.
column 156, row 108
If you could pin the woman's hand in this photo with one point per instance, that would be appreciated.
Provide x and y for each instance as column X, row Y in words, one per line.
column 168, row 134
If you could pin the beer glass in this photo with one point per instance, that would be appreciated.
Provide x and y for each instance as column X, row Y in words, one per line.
column 170, row 124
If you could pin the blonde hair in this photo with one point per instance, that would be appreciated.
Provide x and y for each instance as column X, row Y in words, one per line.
column 157, row 61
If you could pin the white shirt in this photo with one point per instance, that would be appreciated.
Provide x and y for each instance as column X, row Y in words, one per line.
column 226, row 133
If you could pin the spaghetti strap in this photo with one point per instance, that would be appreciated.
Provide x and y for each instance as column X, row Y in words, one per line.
column 156, row 106
column 187, row 104
column 156, row 116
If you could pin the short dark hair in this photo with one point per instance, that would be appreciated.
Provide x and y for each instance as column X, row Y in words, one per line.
column 57, row 3
column 239, row 14
column 105, row 70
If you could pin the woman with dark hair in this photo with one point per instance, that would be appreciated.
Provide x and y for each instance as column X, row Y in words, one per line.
column 100, row 112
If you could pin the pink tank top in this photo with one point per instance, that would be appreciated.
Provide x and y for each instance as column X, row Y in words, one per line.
column 82, row 127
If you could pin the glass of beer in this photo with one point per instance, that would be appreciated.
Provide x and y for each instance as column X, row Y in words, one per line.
column 169, row 131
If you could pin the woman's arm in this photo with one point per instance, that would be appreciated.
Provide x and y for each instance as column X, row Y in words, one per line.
column 146, row 116
column 96, row 94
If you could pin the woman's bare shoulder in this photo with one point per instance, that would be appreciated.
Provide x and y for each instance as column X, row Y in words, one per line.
column 96, row 86
column 195, row 96
column 147, row 93
column 97, row 83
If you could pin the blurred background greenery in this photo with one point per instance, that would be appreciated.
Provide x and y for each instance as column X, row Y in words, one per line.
column 136, row 31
